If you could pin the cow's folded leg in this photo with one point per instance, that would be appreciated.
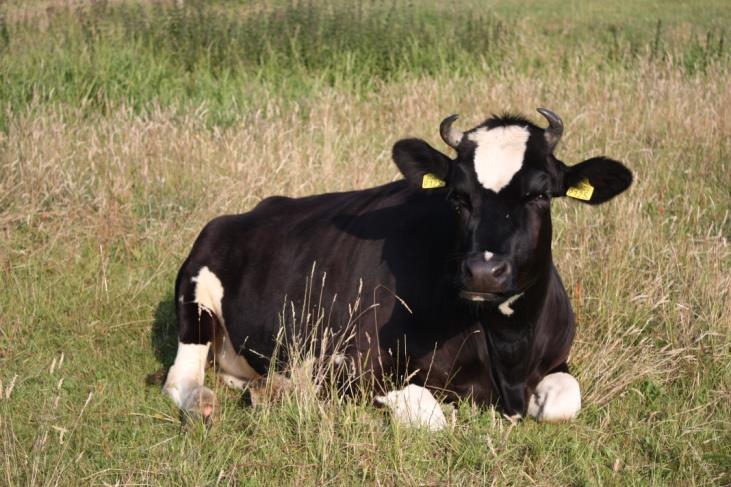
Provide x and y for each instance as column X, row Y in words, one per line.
column 557, row 398
column 233, row 382
column 414, row 406
column 196, row 322
column 201, row 403
column 185, row 379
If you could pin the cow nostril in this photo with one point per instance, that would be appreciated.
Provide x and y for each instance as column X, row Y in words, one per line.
column 467, row 269
column 499, row 269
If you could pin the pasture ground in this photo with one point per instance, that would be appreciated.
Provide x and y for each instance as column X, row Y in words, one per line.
column 125, row 126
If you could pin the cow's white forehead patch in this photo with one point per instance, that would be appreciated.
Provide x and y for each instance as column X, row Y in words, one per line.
column 499, row 154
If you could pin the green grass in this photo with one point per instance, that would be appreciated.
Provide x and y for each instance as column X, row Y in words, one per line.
column 227, row 57
column 127, row 125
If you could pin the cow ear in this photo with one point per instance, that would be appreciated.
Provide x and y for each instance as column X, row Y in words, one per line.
column 595, row 180
column 422, row 165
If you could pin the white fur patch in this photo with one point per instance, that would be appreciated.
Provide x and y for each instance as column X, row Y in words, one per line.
column 229, row 362
column 208, row 295
column 414, row 406
column 233, row 382
column 186, row 376
column 208, row 291
column 187, row 373
column 556, row 398
column 505, row 306
column 499, row 154
column 488, row 255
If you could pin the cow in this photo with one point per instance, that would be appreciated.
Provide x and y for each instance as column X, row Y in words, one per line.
column 454, row 262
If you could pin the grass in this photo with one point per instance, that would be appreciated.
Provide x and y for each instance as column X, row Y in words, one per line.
column 117, row 147
column 228, row 56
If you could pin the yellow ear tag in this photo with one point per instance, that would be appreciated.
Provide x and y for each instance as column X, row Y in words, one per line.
column 431, row 181
column 581, row 190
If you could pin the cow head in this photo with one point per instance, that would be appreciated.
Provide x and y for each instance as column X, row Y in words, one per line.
column 500, row 184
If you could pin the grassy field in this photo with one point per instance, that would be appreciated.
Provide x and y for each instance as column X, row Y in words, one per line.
column 125, row 126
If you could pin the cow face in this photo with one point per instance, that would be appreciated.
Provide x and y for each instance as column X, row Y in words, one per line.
column 500, row 185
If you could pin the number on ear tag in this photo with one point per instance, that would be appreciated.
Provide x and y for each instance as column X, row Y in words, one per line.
column 431, row 181
column 581, row 190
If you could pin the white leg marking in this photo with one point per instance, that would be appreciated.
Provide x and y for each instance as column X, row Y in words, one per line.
column 556, row 398
column 414, row 406
column 499, row 154
column 187, row 373
column 228, row 361
column 185, row 379
column 208, row 295
column 208, row 292
column 232, row 381
column 505, row 307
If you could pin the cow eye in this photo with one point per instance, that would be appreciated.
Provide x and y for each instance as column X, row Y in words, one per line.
column 460, row 201
column 535, row 197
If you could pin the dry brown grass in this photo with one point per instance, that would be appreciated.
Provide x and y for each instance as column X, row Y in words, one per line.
column 127, row 179
column 648, row 273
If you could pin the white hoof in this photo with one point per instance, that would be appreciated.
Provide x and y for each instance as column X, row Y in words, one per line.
column 414, row 406
column 201, row 403
column 556, row 398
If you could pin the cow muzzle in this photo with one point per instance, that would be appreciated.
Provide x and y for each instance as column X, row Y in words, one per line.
column 487, row 279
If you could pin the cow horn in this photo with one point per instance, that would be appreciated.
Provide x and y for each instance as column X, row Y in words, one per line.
column 555, row 128
column 450, row 135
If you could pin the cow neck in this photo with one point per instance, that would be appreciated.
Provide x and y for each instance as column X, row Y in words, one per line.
column 509, row 337
column 509, row 341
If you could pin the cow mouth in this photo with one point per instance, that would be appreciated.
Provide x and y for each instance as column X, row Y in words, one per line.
column 477, row 297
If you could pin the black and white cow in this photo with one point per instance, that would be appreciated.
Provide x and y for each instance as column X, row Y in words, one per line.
column 456, row 258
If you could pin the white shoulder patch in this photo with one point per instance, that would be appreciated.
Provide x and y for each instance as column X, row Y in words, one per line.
column 414, row 406
column 557, row 398
column 499, row 154
column 208, row 291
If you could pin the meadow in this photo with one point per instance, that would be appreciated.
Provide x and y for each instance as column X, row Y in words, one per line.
column 126, row 125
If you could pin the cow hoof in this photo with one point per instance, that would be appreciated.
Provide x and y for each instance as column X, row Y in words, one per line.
column 557, row 398
column 269, row 390
column 414, row 406
column 202, row 404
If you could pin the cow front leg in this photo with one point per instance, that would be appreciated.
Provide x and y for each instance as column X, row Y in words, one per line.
column 198, row 302
column 557, row 398
column 185, row 380
column 414, row 406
